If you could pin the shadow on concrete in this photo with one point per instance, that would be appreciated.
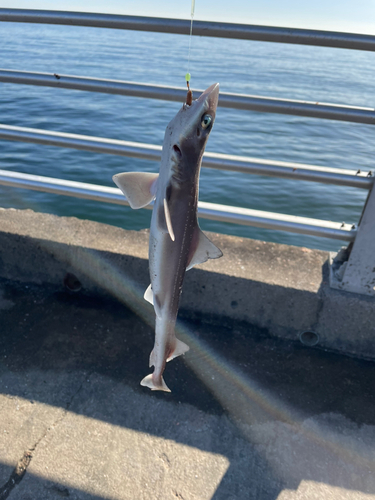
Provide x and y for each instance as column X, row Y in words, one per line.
column 277, row 302
column 41, row 489
column 5, row 474
column 50, row 337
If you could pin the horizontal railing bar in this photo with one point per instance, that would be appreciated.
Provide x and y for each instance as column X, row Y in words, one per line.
column 289, row 170
column 201, row 28
column 82, row 142
column 352, row 178
column 227, row 100
column 212, row 211
column 277, row 222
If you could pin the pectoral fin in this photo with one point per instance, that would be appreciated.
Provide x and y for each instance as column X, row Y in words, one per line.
column 202, row 250
column 168, row 220
column 138, row 187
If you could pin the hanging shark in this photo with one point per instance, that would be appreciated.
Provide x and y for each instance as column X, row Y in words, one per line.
column 176, row 240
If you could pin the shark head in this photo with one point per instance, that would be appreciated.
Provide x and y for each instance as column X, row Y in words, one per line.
column 186, row 135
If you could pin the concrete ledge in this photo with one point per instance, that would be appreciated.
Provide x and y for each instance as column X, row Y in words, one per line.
column 278, row 287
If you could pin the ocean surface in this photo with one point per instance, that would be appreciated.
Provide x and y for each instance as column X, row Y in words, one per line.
column 266, row 69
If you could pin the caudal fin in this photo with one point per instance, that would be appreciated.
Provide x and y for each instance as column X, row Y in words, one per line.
column 154, row 385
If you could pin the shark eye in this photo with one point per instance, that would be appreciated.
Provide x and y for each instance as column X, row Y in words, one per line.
column 206, row 121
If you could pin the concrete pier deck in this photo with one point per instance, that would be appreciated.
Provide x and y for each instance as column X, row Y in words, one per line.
column 253, row 413
column 250, row 416
column 281, row 288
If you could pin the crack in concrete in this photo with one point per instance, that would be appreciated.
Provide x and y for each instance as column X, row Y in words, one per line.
column 20, row 470
column 16, row 476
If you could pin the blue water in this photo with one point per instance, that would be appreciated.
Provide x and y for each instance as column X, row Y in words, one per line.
column 267, row 69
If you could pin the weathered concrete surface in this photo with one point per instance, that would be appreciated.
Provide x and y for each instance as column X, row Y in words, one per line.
column 282, row 288
column 250, row 416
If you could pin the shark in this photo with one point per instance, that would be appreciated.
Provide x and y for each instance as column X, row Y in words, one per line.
column 176, row 242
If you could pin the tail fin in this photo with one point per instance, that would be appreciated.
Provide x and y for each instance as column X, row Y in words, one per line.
column 180, row 348
column 154, row 386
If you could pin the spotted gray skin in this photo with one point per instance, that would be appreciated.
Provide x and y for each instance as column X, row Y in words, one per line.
column 176, row 241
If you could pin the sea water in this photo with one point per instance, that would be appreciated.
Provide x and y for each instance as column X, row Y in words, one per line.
column 259, row 68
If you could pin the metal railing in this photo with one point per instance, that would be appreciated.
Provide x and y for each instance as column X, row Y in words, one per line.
column 213, row 211
column 227, row 100
column 354, row 178
column 201, row 28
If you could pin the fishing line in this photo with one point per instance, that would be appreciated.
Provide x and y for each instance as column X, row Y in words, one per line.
column 189, row 97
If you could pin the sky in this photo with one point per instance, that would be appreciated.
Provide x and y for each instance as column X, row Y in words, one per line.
column 356, row 16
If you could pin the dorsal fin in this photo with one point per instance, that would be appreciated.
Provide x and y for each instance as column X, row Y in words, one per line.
column 203, row 250
column 149, row 296
column 139, row 188
column 180, row 348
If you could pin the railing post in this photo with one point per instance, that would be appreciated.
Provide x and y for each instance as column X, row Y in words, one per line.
column 353, row 269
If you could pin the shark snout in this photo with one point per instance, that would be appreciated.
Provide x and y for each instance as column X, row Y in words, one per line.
column 211, row 96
